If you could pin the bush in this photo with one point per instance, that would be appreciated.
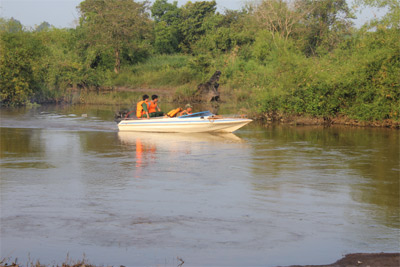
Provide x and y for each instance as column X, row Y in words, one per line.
column 21, row 73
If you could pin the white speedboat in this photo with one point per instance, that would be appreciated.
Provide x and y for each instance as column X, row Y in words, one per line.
column 199, row 122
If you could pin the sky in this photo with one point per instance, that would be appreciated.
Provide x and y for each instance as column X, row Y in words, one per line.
column 64, row 14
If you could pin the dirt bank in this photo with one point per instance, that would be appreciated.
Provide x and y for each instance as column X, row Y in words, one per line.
column 340, row 120
column 363, row 260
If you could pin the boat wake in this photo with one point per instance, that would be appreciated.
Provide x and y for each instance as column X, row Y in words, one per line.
column 53, row 121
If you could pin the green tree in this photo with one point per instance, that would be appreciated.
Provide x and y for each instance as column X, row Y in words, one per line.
column 166, row 38
column 64, row 66
column 223, row 32
column 167, row 18
column 164, row 11
column 44, row 26
column 376, row 60
column 192, row 23
column 279, row 17
column 20, row 69
column 114, row 24
column 325, row 25
column 11, row 25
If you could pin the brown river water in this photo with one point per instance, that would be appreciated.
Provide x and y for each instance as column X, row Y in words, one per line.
column 73, row 186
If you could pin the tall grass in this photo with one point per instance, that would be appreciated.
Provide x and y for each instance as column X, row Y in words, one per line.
column 158, row 71
column 110, row 98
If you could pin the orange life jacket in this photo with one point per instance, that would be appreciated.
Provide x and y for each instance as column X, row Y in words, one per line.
column 139, row 109
column 152, row 107
column 173, row 112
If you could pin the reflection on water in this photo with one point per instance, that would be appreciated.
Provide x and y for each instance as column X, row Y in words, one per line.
column 73, row 184
column 149, row 145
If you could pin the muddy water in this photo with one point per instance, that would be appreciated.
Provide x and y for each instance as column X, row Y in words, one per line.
column 72, row 186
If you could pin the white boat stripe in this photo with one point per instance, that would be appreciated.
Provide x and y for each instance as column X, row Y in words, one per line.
column 169, row 122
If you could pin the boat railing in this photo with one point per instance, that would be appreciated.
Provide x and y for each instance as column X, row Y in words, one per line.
column 197, row 114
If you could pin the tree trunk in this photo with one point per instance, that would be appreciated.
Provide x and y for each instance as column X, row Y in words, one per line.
column 117, row 61
column 207, row 92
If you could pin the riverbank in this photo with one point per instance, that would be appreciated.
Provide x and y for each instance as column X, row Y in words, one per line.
column 127, row 97
column 364, row 259
column 304, row 120
column 355, row 259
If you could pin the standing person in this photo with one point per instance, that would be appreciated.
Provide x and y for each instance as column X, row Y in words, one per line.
column 154, row 110
column 142, row 107
column 187, row 110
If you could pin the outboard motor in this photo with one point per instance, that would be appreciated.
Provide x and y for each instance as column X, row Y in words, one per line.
column 120, row 115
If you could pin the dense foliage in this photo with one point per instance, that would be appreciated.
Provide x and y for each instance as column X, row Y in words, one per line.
column 302, row 57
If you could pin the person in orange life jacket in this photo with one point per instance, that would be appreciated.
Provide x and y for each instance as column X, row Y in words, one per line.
column 154, row 110
column 187, row 110
column 142, row 107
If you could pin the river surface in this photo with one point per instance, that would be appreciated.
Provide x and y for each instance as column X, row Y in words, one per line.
column 73, row 187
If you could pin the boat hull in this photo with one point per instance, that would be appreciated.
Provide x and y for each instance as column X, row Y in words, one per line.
column 183, row 125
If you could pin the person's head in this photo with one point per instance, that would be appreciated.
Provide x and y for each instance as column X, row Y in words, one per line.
column 188, row 108
column 145, row 97
column 154, row 97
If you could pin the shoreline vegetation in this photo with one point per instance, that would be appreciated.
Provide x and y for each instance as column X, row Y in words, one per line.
column 298, row 62
column 124, row 97
column 354, row 259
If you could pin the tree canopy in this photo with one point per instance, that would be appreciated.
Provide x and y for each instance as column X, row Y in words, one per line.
column 114, row 24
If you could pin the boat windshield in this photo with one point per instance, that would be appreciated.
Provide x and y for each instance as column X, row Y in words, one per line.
column 197, row 114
